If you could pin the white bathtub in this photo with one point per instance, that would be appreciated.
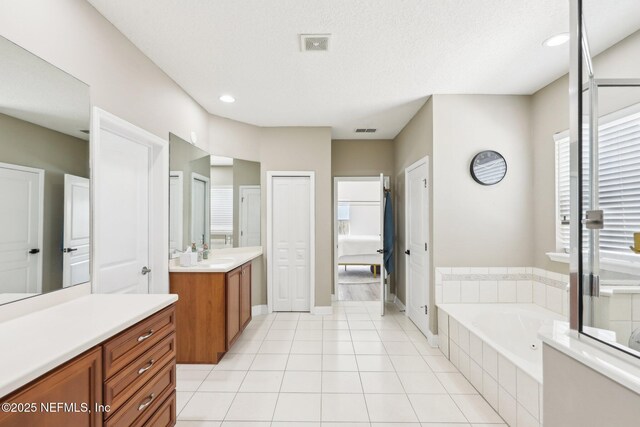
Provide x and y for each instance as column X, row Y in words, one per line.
column 496, row 347
column 511, row 329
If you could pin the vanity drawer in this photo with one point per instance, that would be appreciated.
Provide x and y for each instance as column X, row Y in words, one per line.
column 142, row 405
column 126, row 382
column 129, row 345
column 165, row 415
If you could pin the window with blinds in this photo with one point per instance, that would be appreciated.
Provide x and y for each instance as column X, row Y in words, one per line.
column 221, row 209
column 619, row 183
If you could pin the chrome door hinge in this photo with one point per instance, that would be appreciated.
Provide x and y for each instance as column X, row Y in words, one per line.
column 425, row 182
column 426, row 247
column 591, row 283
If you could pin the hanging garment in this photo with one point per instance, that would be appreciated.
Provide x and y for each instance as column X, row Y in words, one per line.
column 388, row 233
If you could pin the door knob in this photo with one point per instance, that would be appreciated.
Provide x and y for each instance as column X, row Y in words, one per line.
column 408, row 252
column 34, row 251
column 145, row 270
column 66, row 250
column 380, row 251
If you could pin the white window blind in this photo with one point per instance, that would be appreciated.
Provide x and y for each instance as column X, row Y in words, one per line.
column 619, row 183
column 221, row 209
column 562, row 193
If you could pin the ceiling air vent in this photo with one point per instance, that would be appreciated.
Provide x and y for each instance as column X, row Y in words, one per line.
column 366, row 130
column 314, row 42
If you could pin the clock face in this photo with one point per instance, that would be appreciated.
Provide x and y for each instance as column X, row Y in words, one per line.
column 488, row 167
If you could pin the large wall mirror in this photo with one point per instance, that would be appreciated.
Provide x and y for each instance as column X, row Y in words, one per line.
column 44, row 176
column 212, row 200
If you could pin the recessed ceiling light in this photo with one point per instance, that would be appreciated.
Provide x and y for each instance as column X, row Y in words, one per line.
column 227, row 98
column 557, row 40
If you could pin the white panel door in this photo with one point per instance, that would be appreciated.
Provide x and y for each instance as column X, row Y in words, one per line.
column 123, row 212
column 75, row 258
column 417, row 238
column 250, row 205
column 175, row 212
column 21, row 191
column 291, row 198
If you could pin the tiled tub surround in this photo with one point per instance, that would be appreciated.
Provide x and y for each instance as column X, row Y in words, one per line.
column 503, row 285
column 491, row 346
column 618, row 309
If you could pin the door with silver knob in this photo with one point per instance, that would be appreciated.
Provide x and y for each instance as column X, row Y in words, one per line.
column 145, row 270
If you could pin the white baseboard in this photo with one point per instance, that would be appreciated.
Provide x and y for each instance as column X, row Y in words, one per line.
column 257, row 310
column 322, row 310
column 400, row 305
column 334, row 297
column 391, row 298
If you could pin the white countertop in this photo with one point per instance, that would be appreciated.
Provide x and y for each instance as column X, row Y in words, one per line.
column 623, row 370
column 220, row 260
column 40, row 341
column 626, row 289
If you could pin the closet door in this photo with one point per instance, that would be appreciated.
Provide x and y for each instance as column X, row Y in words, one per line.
column 291, row 242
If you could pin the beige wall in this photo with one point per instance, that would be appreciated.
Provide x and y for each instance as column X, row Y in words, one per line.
column 413, row 143
column 549, row 115
column 234, row 139
column 74, row 37
column 26, row 144
column 304, row 149
column 575, row 395
column 476, row 225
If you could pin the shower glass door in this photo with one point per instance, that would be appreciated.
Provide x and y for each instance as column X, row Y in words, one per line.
column 605, row 174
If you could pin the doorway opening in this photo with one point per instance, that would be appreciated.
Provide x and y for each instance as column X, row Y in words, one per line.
column 357, row 234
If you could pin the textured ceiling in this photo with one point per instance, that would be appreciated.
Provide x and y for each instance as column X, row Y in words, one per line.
column 385, row 58
column 35, row 91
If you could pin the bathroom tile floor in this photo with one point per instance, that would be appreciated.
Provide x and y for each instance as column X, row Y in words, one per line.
column 352, row 368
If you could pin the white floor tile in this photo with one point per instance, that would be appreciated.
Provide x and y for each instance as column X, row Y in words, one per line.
column 207, row 406
column 194, row 367
column 369, row 347
column 262, row 381
column 223, row 381
column 248, row 346
column 381, row 382
column 421, row 382
column 309, row 325
column 306, row 347
column 390, row 407
column 304, row 362
column 189, row 380
column 269, row 362
column 301, row 382
column 410, row 364
column 280, row 334
column 284, row 324
column 439, row 364
column 182, row 397
column 375, row 363
column 339, row 362
column 308, row 335
column 337, row 347
column 341, row 382
column 337, row 335
column 436, row 408
column 182, row 423
column 456, row 383
column 275, row 347
column 476, row 409
column 235, row 362
column 401, row 348
column 344, row 408
column 362, row 325
column 365, row 336
column 252, row 407
column 298, row 407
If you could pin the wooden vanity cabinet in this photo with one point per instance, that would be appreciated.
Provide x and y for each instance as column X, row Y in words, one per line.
column 128, row 380
column 212, row 311
column 77, row 383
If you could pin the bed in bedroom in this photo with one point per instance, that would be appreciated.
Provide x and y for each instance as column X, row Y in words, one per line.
column 359, row 250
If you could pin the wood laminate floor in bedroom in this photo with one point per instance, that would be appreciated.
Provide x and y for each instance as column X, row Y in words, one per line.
column 350, row 291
